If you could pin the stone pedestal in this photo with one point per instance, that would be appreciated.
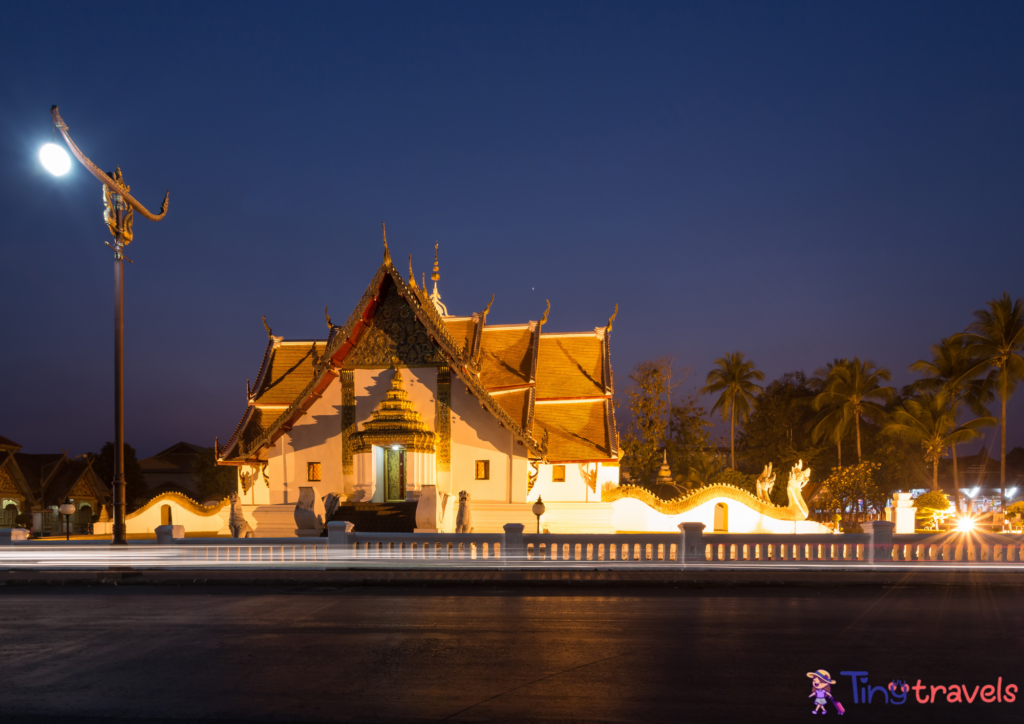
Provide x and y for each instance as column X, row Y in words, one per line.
column 902, row 513
column 692, row 541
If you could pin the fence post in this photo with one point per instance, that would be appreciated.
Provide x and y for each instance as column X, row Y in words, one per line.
column 340, row 537
column 166, row 534
column 692, row 539
column 879, row 540
column 513, row 548
column 9, row 535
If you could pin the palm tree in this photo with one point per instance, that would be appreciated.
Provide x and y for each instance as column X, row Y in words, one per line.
column 733, row 377
column 948, row 372
column 832, row 422
column 996, row 337
column 931, row 422
column 853, row 388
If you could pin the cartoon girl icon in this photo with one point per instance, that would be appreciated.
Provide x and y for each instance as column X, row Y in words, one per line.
column 821, row 692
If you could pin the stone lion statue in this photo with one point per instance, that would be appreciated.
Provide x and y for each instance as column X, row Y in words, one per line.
column 464, row 518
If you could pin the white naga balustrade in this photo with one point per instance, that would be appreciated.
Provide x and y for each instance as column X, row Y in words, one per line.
column 344, row 546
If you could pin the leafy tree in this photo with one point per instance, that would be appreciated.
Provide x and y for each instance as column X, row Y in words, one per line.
column 1016, row 511
column 950, row 371
column 733, row 378
column 850, row 490
column 705, row 469
column 996, row 338
column 930, row 421
column 647, row 399
column 934, row 507
column 854, row 388
column 216, row 482
column 135, row 484
column 777, row 429
column 687, row 434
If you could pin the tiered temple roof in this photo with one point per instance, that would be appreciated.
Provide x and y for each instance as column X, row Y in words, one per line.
column 552, row 391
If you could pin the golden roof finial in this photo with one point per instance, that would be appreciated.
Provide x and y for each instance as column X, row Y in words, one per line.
column 436, row 276
column 487, row 309
column 270, row 335
column 544, row 319
column 330, row 324
column 614, row 315
column 412, row 275
column 387, row 252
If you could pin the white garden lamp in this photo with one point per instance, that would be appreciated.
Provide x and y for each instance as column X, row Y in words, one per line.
column 538, row 510
column 67, row 509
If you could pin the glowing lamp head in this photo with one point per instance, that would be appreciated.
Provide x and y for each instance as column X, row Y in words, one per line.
column 396, row 447
column 965, row 525
column 55, row 159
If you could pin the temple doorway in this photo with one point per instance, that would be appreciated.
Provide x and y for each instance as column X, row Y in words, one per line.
column 394, row 475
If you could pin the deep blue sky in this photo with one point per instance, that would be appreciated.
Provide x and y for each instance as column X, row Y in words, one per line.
column 797, row 181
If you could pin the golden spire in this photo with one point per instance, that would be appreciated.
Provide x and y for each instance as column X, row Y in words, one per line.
column 387, row 252
column 412, row 275
column 612, row 318
column 435, row 296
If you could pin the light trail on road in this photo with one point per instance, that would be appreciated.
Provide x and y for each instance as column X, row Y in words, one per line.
column 277, row 557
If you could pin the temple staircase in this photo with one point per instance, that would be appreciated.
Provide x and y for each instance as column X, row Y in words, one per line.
column 378, row 517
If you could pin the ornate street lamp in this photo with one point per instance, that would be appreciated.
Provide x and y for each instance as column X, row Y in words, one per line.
column 67, row 509
column 118, row 212
column 538, row 510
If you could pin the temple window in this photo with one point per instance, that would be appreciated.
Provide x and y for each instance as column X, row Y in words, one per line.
column 313, row 472
column 558, row 473
column 483, row 469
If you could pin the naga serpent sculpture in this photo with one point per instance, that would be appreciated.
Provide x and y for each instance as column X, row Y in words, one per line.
column 115, row 183
column 796, row 510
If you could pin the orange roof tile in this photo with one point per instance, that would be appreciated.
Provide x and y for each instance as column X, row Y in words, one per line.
column 461, row 329
column 576, row 430
column 505, row 356
column 569, row 366
column 290, row 370
column 516, row 404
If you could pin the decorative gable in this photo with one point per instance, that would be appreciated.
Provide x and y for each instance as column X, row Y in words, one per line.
column 394, row 338
column 81, row 489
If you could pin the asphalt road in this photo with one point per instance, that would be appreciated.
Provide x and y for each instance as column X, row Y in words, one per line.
column 405, row 655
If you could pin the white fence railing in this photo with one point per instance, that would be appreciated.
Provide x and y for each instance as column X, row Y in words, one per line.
column 344, row 546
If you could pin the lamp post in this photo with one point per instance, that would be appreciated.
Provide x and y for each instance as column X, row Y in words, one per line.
column 118, row 212
column 538, row 510
column 67, row 509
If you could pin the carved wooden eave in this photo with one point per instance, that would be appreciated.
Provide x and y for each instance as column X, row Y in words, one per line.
column 342, row 343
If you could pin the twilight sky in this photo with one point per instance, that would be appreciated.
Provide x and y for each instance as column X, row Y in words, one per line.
column 797, row 181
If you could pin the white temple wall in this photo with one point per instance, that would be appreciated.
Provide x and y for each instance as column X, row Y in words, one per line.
column 476, row 435
column 259, row 492
column 316, row 437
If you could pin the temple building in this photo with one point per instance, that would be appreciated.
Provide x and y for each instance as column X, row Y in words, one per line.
column 36, row 484
column 405, row 406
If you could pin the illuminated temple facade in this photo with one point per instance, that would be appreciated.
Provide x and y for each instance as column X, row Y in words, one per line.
column 405, row 406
